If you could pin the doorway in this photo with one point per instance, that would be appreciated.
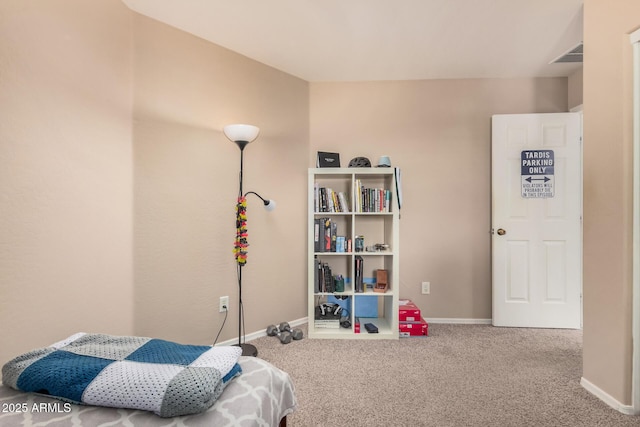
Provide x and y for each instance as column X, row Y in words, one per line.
column 536, row 196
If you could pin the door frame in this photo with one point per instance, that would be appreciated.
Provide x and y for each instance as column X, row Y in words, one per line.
column 579, row 109
column 635, row 382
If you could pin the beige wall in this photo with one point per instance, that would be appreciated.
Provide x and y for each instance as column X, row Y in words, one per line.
column 66, row 175
column 608, row 194
column 74, row 150
column 73, row 230
column 575, row 82
column 439, row 133
column 186, row 184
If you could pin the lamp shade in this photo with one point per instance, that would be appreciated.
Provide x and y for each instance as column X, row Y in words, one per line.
column 244, row 133
column 269, row 205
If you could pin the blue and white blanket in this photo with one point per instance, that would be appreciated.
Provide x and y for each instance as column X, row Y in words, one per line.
column 160, row 376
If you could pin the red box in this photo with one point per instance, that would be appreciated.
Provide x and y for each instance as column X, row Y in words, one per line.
column 408, row 311
column 414, row 329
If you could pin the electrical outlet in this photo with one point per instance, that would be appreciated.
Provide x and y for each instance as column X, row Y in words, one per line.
column 224, row 304
column 426, row 288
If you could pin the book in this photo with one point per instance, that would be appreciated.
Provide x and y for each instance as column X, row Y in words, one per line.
column 344, row 204
column 327, row 235
column 370, row 199
column 316, row 282
column 327, row 321
column 359, row 270
column 328, row 200
column 334, row 236
column 316, row 235
column 323, row 277
column 327, row 277
column 327, row 324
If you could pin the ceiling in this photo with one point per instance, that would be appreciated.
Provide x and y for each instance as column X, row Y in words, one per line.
column 361, row 40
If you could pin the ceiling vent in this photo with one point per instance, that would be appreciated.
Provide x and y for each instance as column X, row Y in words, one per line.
column 573, row 55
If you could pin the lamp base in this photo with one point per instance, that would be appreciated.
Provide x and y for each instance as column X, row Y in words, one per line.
column 248, row 349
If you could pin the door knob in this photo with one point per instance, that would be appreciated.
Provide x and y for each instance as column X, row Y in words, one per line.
column 502, row 232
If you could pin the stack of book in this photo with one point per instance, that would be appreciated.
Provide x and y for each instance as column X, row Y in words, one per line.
column 326, row 321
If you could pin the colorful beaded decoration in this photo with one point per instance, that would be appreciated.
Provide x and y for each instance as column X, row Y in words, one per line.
column 241, row 244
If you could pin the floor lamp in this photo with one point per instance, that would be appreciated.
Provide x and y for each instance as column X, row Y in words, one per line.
column 242, row 135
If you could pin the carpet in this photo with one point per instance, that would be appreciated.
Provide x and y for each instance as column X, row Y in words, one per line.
column 460, row 375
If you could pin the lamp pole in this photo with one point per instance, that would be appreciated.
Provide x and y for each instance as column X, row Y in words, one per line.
column 242, row 135
column 247, row 349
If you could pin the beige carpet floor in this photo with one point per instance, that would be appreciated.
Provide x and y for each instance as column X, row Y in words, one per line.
column 461, row 375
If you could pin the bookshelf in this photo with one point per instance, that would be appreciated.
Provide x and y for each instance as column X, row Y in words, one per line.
column 344, row 205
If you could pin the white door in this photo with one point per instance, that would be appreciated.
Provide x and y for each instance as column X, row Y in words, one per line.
column 536, row 231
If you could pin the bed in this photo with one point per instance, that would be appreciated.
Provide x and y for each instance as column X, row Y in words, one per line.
column 255, row 393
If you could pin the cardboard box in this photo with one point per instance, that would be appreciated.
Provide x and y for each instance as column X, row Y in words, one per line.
column 408, row 311
column 414, row 329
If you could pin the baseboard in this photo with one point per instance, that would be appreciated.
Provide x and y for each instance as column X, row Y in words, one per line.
column 607, row 398
column 458, row 321
column 263, row 333
column 303, row 320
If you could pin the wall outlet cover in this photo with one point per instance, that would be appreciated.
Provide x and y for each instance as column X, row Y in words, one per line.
column 224, row 302
column 426, row 288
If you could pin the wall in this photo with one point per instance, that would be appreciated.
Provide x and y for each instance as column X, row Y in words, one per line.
column 186, row 184
column 74, row 150
column 575, row 82
column 439, row 133
column 66, row 176
column 608, row 106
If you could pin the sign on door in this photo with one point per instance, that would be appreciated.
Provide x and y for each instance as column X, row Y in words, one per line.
column 537, row 174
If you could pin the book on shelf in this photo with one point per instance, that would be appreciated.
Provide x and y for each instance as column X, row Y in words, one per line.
column 359, row 270
column 370, row 199
column 323, row 277
column 316, row 275
column 328, row 279
column 327, row 235
column 322, row 234
column 319, row 232
column 344, row 203
column 328, row 200
column 327, row 321
column 327, row 324
column 334, row 237
column 326, row 238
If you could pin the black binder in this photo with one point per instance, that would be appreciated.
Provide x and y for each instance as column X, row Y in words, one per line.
column 359, row 283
